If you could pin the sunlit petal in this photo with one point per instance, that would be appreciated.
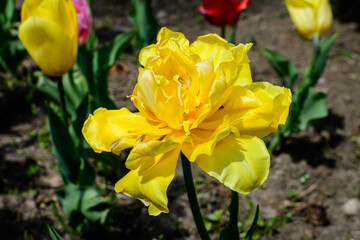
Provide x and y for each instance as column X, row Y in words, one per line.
column 241, row 163
column 115, row 130
column 255, row 110
column 150, row 184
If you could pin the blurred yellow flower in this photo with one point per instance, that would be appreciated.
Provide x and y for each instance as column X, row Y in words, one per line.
column 48, row 31
column 198, row 99
column 310, row 16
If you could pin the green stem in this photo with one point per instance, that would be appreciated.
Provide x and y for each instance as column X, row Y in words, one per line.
column 62, row 99
column 316, row 43
column 223, row 32
column 194, row 205
column 232, row 34
column 234, row 209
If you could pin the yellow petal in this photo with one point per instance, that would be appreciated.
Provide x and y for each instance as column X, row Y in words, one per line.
column 204, row 141
column 159, row 98
column 60, row 12
column 303, row 16
column 145, row 153
column 256, row 109
column 48, row 45
column 244, row 77
column 241, row 163
column 324, row 16
column 163, row 37
column 166, row 34
column 115, row 130
column 310, row 17
column 213, row 47
column 150, row 184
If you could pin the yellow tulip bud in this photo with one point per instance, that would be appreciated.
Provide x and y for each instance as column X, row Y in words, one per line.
column 49, row 33
column 310, row 16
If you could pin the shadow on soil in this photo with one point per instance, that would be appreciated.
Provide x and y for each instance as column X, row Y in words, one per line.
column 316, row 145
column 347, row 11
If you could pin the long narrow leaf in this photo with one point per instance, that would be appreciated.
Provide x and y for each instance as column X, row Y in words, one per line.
column 251, row 231
column 104, row 58
column 63, row 147
column 286, row 71
column 142, row 17
column 320, row 58
column 232, row 230
column 53, row 233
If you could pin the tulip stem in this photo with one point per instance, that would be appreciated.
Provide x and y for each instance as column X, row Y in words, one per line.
column 232, row 34
column 194, row 205
column 223, row 32
column 62, row 98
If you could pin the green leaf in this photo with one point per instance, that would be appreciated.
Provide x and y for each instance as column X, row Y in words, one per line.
column 103, row 59
column 75, row 88
column 7, row 13
column 108, row 54
column 286, row 71
column 314, row 107
column 142, row 17
column 251, row 231
column 232, row 231
column 46, row 86
column 88, row 201
column 63, row 147
column 53, row 233
column 320, row 58
column 85, row 64
column 86, row 172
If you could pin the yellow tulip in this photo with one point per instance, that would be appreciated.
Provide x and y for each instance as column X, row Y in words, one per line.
column 48, row 31
column 198, row 99
column 310, row 16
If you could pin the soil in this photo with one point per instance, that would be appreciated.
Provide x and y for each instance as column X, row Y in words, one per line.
column 319, row 167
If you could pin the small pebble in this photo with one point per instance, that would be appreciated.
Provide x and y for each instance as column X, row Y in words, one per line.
column 352, row 207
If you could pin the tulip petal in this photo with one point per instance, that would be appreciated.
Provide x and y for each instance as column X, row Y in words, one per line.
column 256, row 110
column 115, row 130
column 48, row 45
column 212, row 46
column 204, row 141
column 160, row 98
column 145, row 153
column 324, row 16
column 241, row 163
column 165, row 35
column 150, row 184
column 61, row 13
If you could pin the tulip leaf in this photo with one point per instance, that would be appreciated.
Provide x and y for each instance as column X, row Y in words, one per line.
column 105, row 57
column 232, row 230
column 7, row 13
column 52, row 232
column 94, row 64
column 46, row 86
column 108, row 54
column 314, row 107
column 63, row 147
column 75, row 88
column 321, row 55
column 85, row 62
column 142, row 17
column 86, row 172
column 286, row 71
column 88, row 202
column 251, row 231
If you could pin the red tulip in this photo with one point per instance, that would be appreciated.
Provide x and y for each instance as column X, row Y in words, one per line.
column 84, row 19
column 223, row 12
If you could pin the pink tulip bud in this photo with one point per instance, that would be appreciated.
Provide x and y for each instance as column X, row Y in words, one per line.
column 84, row 19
